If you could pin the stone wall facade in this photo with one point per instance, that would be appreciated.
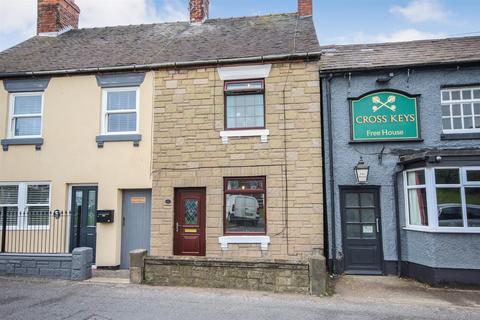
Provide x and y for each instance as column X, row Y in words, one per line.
column 188, row 152
column 273, row 276
column 75, row 266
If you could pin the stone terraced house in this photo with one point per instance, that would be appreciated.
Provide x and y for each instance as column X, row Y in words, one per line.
column 199, row 141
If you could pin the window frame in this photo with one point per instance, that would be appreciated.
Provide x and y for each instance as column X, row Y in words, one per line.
column 460, row 102
column 407, row 188
column 12, row 116
column 247, row 191
column 105, row 112
column 432, row 206
column 22, row 205
column 227, row 93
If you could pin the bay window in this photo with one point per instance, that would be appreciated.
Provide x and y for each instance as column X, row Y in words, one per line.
column 443, row 198
column 28, row 204
column 417, row 198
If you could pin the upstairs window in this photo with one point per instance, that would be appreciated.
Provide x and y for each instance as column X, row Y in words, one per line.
column 245, row 104
column 120, row 111
column 26, row 115
column 461, row 110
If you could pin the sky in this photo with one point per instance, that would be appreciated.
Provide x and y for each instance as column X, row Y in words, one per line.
column 336, row 21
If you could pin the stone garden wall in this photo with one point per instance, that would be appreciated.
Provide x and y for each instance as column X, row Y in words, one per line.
column 274, row 275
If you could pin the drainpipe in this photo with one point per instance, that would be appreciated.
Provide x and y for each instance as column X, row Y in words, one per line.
column 328, row 103
column 399, row 168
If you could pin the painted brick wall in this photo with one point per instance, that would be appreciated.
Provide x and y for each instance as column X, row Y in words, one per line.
column 188, row 152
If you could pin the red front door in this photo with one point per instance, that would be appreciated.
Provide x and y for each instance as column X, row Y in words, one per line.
column 189, row 222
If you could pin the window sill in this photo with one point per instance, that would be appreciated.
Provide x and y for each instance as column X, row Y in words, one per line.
column 37, row 142
column 135, row 138
column 262, row 240
column 444, row 230
column 262, row 133
column 460, row 136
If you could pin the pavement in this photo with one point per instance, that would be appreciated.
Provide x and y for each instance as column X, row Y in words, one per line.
column 355, row 298
column 110, row 276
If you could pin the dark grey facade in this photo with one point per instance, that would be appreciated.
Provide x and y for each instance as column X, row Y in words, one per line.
column 436, row 256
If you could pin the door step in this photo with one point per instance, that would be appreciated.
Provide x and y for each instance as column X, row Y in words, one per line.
column 110, row 276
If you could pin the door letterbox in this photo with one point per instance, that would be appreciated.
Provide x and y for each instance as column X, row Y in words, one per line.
column 105, row 216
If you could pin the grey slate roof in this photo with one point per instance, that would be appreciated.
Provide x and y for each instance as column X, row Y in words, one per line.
column 399, row 54
column 163, row 43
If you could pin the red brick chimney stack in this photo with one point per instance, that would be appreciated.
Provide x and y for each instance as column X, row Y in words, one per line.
column 56, row 15
column 198, row 10
column 305, row 8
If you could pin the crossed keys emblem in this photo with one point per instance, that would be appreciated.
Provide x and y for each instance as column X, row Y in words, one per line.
column 380, row 104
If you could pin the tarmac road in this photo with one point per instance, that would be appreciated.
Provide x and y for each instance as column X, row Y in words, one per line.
column 28, row 298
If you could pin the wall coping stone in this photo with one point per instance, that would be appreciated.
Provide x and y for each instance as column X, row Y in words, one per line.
column 225, row 262
column 36, row 255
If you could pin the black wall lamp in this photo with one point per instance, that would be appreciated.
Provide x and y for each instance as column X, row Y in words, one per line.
column 361, row 172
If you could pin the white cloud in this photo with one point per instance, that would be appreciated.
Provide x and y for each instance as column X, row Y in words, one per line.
column 21, row 20
column 422, row 11
column 398, row 36
column 408, row 35
column 22, row 14
column 122, row 12
column 21, row 17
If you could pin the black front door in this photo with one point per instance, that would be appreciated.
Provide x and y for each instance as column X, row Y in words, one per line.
column 361, row 229
column 84, row 219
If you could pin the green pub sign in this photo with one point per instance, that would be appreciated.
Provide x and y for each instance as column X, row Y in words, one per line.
column 384, row 116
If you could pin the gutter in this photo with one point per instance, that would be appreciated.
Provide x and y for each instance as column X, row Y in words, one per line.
column 330, row 165
column 153, row 66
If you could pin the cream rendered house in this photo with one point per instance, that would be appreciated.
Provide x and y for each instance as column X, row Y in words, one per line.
column 74, row 142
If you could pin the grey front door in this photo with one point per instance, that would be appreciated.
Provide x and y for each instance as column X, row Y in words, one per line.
column 135, row 223
column 84, row 218
column 361, row 230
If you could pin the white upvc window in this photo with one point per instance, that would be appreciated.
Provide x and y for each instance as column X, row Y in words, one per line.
column 27, row 203
column 461, row 110
column 444, row 199
column 26, row 113
column 120, row 108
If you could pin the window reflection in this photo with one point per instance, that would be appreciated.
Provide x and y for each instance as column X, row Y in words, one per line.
column 245, row 206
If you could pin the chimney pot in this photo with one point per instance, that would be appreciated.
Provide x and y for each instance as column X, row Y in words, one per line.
column 199, row 10
column 305, row 8
column 56, row 15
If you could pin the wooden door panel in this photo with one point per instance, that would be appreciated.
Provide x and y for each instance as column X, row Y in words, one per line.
column 189, row 222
